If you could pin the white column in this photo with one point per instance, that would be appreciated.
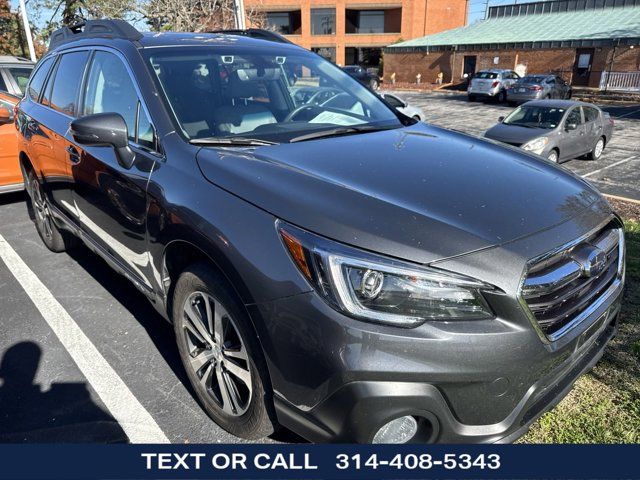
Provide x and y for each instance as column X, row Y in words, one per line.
column 27, row 30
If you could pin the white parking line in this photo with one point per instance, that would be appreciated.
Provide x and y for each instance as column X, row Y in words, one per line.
column 136, row 422
column 608, row 166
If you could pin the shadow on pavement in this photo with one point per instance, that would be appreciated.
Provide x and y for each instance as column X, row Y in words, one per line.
column 63, row 414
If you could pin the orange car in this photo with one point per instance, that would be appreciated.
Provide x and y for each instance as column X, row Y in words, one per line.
column 10, row 173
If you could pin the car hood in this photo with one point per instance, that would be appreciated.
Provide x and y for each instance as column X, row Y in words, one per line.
column 513, row 134
column 419, row 193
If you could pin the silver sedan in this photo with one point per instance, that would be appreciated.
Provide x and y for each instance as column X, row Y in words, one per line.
column 536, row 87
column 556, row 129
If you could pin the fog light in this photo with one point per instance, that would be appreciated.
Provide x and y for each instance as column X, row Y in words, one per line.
column 400, row 430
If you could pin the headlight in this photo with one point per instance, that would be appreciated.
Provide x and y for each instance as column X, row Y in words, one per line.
column 536, row 145
column 383, row 290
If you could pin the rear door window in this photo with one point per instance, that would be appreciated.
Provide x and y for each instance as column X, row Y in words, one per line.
column 66, row 84
column 37, row 80
column 590, row 114
column 3, row 85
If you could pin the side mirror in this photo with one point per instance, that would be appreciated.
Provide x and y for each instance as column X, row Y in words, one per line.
column 500, row 119
column 105, row 130
column 570, row 126
column 5, row 116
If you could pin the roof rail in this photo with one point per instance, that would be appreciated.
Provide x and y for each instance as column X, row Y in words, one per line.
column 94, row 29
column 258, row 33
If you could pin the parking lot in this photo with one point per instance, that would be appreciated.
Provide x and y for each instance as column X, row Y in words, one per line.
column 617, row 172
column 84, row 357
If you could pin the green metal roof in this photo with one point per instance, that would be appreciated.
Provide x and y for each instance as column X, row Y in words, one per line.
column 595, row 24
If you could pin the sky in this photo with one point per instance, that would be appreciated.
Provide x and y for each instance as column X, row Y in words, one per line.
column 477, row 9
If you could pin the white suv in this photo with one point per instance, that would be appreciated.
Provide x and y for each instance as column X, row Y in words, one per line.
column 491, row 84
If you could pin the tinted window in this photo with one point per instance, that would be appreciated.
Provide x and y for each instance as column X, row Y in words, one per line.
column 532, row 79
column 590, row 114
column 20, row 76
column 68, row 75
column 37, row 81
column 110, row 89
column 487, row 75
column 3, row 86
column 574, row 117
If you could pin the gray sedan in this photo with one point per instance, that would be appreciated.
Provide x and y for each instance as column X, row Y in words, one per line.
column 556, row 129
column 535, row 87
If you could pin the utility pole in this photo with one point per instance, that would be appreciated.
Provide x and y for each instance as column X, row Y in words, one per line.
column 238, row 6
column 27, row 30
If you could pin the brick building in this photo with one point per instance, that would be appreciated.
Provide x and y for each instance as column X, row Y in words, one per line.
column 578, row 39
column 354, row 31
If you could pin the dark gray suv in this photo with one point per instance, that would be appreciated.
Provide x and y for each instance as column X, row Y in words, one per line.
column 338, row 269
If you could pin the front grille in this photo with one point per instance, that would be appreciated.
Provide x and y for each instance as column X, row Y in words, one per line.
column 563, row 284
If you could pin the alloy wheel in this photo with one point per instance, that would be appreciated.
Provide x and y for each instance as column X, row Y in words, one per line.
column 42, row 211
column 553, row 156
column 598, row 149
column 218, row 355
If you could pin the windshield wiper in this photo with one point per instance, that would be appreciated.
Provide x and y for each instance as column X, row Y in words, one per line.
column 335, row 132
column 233, row 141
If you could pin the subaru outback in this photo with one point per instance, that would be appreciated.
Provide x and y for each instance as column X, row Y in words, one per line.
column 330, row 266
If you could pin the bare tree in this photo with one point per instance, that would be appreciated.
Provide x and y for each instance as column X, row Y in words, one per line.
column 196, row 15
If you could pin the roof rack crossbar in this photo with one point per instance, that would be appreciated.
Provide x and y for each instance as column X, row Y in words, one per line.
column 94, row 29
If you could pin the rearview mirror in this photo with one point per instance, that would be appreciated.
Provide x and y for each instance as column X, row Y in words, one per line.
column 500, row 119
column 105, row 130
column 570, row 126
column 5, row 116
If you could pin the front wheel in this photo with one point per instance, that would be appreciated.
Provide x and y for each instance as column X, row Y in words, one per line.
column 220, row 354
column 471, row 98
column 374, row 84
column 553, row 156
column 502, row 96
column 598, row 148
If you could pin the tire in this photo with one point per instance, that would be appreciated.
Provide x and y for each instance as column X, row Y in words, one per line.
column 511, row 103
column 471, row 98
column 553, row 156
column 55, row 239
column 597, row 150
column 502, row 96
column 374, row 84
column 417, row 117
column 569, row 95
column 243, row 404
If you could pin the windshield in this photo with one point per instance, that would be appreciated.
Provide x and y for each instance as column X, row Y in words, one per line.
column 535, row 117
column 532, row 79
column 260, row 94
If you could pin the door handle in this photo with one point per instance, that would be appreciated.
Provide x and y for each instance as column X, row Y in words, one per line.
column 74, row 155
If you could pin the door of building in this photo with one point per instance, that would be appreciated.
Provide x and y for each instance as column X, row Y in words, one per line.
column 582, row 66
column 469, row 67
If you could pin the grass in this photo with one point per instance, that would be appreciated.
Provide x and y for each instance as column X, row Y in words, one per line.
column 604, row 405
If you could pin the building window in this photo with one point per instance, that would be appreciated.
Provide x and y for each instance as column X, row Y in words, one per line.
column 365, row 57
column 285, row 23
column 328, row 53
column 323, row 21
column 373, row 21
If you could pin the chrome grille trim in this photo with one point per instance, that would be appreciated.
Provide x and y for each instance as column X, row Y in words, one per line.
column 556, row 291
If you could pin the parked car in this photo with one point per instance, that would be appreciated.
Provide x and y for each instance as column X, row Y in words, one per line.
column 361, row 74
column 349, row 273
column 556, row 129
column 10, row 174
column 491, row 84
column 536, row 87
column 14, row 74
column 403, row 106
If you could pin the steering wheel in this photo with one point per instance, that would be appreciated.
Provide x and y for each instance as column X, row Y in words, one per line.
column 302, row 108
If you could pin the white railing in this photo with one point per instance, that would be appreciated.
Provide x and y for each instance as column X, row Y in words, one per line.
column 620, row 81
